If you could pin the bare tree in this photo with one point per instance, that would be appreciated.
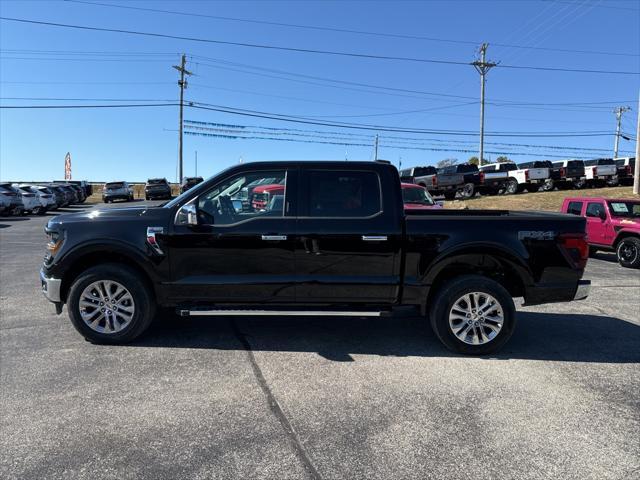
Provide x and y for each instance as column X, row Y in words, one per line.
column 447, row 162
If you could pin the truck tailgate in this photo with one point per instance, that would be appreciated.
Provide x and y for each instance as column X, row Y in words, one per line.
column 450, row 179
column 538, row 173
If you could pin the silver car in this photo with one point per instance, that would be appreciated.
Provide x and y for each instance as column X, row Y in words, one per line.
column 30, row 202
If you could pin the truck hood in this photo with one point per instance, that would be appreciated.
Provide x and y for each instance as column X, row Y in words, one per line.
column 143, row 213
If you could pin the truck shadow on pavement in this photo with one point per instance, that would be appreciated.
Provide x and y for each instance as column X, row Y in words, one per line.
column 538, row 336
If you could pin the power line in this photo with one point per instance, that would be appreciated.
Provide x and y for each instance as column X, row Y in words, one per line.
column 85, row 52
column 370, row 107
column 305, row 120
column 83, row 83
column 57, row 59
column 346, row 30
column 90, row 99
column 371, row 127
column 302, row 50
column 244, row 129
column 432, row 149
column 496, row 102
column 132, row 105
column 613, row 7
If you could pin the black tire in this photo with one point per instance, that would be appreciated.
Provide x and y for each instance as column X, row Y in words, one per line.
column 547, row 186
column 138, row 288
column 146, row 197
column 468, row 191
column 628, row 252
column 592, row 251
column 511, row 187
column 449, row 293
column 449, row 195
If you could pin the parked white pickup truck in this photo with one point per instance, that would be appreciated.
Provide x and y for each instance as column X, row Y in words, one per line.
column 499, row 177
column 600, row 172
column 531, row 175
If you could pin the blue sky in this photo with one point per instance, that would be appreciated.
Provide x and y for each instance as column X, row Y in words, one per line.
column 45, row 62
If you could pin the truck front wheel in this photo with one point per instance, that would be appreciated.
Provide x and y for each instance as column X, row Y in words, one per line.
column 110, row 304
column 628, row 252
column 473, row 315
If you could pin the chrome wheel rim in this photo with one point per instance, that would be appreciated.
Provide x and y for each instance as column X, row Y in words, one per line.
column 106, row 306
column 476, row 318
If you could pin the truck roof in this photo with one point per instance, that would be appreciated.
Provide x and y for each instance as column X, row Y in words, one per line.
column 600, row 199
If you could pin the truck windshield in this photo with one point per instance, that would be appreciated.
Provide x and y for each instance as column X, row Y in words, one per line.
column 628, row 209
column 417, row 195
column 114, row 185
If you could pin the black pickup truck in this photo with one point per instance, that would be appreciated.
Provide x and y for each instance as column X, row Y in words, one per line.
column 464, row 179
column 335, row 240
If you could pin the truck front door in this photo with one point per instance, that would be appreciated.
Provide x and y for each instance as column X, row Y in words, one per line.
column 237, row 253
column 347, row 248
column 597, row 224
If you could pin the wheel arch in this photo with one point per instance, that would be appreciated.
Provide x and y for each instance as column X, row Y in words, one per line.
column 492, row 262
column 92, row 255
column 622, row 234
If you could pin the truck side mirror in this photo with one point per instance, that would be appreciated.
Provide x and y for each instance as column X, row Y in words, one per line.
column 187, row 215
column 603, row 215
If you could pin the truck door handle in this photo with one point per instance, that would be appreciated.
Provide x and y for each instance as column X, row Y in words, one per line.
column 274, row 237
column 374, row 238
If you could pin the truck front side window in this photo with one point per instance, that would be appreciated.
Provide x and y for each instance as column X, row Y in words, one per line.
column 245, row 196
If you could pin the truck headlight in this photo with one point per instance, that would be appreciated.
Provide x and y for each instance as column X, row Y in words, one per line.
column 54, row 243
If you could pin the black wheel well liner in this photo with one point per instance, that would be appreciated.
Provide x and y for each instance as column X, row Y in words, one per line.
column 100, row 257
column 622, row 235
column 490, row 265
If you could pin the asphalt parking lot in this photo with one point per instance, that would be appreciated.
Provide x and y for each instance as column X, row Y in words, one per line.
column 317, row 397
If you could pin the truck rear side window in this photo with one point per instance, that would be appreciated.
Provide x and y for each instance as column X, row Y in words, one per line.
column 574, row 208
column 343, row 193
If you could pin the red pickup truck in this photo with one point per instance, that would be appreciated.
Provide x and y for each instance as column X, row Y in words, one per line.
column 612, row 224
column 263, row 194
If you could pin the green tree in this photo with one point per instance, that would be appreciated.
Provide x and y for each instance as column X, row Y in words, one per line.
column 473, row 161
column 503, row 159
column 447, row 162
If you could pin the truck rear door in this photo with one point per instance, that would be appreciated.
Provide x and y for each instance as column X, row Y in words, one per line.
column 349, row 234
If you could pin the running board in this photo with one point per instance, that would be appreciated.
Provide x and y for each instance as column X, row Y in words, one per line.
column 271, row 313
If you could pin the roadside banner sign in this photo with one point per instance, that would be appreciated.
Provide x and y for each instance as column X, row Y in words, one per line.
column 67, row 166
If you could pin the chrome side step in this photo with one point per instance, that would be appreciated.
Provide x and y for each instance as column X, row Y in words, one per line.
column 271, row 313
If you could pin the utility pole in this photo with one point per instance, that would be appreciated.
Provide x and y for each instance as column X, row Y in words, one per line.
column 636, row 170
column 182, row 83
column 618, row 111
column 483, row 68
column 196, row 163
column 375, row 157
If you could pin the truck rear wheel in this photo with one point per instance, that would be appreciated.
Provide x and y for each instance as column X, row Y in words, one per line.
column 628, row 252
column 449, row 195
column 472, row 315
column 547, row 186
column 110, row 304
column 468, row 190
column 511, row 187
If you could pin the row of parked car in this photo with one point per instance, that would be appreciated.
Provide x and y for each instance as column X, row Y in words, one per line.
column 154, row 189
column 465, row 180
column 37, row 199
